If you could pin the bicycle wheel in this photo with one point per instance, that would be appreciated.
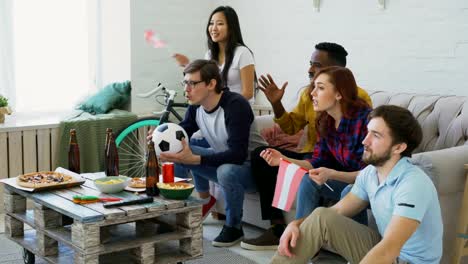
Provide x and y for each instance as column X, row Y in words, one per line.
column 131, row 144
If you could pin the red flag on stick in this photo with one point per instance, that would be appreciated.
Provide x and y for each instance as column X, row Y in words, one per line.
column 153, row 39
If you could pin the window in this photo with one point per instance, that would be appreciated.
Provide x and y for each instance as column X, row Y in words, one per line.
column 51, row 58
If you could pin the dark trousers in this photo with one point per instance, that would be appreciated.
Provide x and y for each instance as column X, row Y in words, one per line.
column 265, row 177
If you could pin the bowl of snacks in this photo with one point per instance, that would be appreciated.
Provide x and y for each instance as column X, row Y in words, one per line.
column 112, row 184
column 175, row 190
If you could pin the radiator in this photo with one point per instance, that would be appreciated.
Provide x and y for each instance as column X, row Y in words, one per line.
column 24, row 150
column 28, row 150
column 262, row 110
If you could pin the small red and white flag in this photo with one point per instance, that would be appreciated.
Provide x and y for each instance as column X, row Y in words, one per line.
column 289, row 178
column 153, row 39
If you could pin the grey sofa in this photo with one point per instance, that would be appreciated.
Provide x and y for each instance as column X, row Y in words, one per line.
column 442, row 154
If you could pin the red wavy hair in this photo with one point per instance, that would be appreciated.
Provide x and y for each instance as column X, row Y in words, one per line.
column 345, row 84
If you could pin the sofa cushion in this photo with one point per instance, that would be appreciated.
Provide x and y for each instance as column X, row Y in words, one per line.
column 445, row 160
column 112, row 96
column 444, row 119
column 425, row 163
column 264, row 121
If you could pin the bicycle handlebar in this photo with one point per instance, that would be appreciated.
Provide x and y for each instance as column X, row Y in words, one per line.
column 172, row 94
column 150, row 93
column 169, row 96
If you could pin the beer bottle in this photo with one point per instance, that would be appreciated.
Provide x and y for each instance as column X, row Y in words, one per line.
column 73, row 153
column 152, row 171
column 106, row 147
column 112, row 157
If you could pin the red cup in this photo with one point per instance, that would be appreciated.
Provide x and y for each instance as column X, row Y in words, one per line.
column 168, row 172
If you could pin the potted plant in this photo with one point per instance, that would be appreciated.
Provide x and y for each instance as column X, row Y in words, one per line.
column 4, row 108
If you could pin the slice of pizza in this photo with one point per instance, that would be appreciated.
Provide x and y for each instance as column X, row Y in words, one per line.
column 43, row 179
column 138, row 182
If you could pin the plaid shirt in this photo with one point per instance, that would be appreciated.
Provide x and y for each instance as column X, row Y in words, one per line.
column 342, row 148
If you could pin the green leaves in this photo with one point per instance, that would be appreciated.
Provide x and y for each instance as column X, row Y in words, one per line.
column 3, row 101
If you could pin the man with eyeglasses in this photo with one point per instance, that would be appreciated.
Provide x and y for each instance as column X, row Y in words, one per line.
column 227, row 123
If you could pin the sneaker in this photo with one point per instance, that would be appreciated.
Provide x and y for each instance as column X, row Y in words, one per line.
column 229, row 236
column 208, row 207
column 266, row 241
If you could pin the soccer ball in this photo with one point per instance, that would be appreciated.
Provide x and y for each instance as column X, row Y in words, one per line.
column 168, row 138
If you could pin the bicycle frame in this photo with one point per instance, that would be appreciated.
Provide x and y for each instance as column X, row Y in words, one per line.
column 170, row 104
column 170, row 109
column 163, row 115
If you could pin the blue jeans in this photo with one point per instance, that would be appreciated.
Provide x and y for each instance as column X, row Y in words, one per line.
column 181, row 171
column 234, row 179
column 309, row 194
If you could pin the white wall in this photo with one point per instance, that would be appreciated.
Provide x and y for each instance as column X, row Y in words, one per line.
column 181, row 24
column 411, row 46
column 115, row 40
column 109, row 41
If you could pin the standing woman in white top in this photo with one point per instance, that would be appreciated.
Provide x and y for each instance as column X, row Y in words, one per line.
column 227, row 48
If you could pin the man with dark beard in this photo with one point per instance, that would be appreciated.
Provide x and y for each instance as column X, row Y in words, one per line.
column 303, row 116
column 402, row 197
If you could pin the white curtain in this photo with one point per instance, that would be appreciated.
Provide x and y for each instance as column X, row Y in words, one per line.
column 7, row 84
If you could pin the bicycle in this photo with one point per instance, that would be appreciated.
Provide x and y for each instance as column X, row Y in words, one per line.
column 131, row 141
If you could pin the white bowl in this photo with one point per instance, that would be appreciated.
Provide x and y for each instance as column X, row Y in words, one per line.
column 112, row 187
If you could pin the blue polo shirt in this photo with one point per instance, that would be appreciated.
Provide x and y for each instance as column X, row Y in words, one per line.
column 406, row 192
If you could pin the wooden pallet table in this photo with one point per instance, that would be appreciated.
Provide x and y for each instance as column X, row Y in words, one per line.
column 165, row 231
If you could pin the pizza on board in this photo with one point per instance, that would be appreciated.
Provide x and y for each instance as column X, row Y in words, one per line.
column 138, row 182
column 43, row 179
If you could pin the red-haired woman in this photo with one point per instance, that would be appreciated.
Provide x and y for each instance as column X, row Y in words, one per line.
column 341, row 127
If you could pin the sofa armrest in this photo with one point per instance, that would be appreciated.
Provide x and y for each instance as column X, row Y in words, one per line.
column 446, row 168
column 264, row 121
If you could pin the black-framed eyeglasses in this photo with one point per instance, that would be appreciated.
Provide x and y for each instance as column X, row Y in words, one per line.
column 189, row 83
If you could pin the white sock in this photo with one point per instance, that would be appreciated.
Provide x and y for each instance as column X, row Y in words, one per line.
column 206, row 200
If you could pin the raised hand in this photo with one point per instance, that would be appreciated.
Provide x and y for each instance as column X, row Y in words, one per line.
column 270, row 89
column 271, row 156
column 181, row 59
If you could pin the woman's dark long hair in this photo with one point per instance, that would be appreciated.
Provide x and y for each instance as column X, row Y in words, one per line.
column 345, row 84
column 234, row 39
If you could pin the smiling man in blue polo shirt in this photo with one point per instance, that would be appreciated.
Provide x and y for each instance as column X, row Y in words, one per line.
column 402, row 197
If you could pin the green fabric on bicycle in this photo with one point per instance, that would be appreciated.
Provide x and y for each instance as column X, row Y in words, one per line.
column 112, row 96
